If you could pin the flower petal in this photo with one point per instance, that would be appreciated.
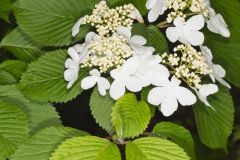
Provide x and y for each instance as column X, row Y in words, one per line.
column 169, row 106
column 124, row 31
column 89, row 82
column 140, row 40
column 131, row 66
column 172, row 34
column 219, row 71
column 117, row 89
column 103, row 85
column 95, row 72
column 195, row 38
column 156, row 96
column 208, row 89
column 73, row 54
column 195, row 23
column 185, row 97
column 133, row 84
column 150, row 4
column 76, row 27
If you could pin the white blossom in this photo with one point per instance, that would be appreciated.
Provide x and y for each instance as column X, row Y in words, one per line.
column 205, row 91
column 157, row 8
column 95, row 78
column 218, row 73
column 76, row 27
column 187, row 32
column 169, row 95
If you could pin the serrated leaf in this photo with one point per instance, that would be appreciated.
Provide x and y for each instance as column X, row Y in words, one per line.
column 44, row 79
column 5, row 7
column 153, row 148
column 13, row 127
column 226, row 50
column 21, row 46
column 88, row 147
column 41, row 145
column 157, row 39
column 101, row 107
column 50, row 22
column 130, row 117
column 178, row 135
column 39, row 115
column 6, row 78
column 215, row 126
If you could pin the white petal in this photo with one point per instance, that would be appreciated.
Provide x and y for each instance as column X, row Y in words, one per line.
column 76, row 27
column 103, row 85
column 73, row 54
column 156, row 10
column 195, row 23
column 156, row 96
column 124, row 31
column 150, row 4
column 69, row 74
column 133, row 84
column 172, row 34
column 169, row 106
column 223, row 82
column 175, row 81
column 89, row 37
column 69, row 63
column 138, row 40
column 195, row 38
column 219, row 71
column 207, row 53
column 131, row 66
column 185, row 97
column 89, row 82
column 208, row 89
column 95, row 72
column 117, row 89
column 79, row 48
column 115, row 74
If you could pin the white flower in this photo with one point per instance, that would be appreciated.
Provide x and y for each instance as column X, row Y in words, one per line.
column 169, row 95
column 151, row 71
column 218, row 73
column 206, row 90
column 217, row 24
column 76, row 27
column 136, row 42
column 157, row 8
column 187, row 32
column 124, row 78
column 95, row 78
column 136, row 15
column 72, row 65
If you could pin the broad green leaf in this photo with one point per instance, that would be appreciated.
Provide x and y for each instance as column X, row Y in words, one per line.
column 44, row 79
column 226, row 51
column 153, row 148
column 101, row 107
column 215, row 126
column 88, row 147
column 130, row 117
column 6, row 78
column 13, row 128
column 41, row 145
column 15, row 67
column 39, row 115
column 178, row 135
column 5, row 7
column 21, row 46
column 50, row 22
column 139, row 29
column 157, row 39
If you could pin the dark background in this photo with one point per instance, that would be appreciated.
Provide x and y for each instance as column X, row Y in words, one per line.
column 77, row 114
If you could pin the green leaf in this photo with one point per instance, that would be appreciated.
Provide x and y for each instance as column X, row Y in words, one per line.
column 50, row 22
column 101, row 107
column 15, row 67
column 21, row 46
column 6, row 78
column 44, row 79
column 13, row 127
column 215, row 126
column 178, row 135
column 153, row 148
column 41, row 145
column 88, row 147
column 5, row 7
column 39, row 115
column 130, row 117
column 139, row 29
column 226, row 51
column 157, row 39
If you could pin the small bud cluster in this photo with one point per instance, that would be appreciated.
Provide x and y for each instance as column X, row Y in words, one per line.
column 188, row 64
column 108, row 52
column 106, row 20
column 180, row 8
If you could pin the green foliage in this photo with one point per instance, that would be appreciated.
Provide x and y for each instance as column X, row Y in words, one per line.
column 50, row 22
column 226, row 50
column 6, row 78
column 152, row 148
column 41, row 145
column 5, row 7
column 130, row 117
column 215, row 126
column 44, row 79
column 21, row 46
column 87, row 147
column 101, row 107
column 177, row 134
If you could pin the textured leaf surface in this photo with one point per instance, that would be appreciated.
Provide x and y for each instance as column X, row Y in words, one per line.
column 101, row 107
column 50, row 22
column 44, row 79
column 130, row 117
column 6, row 78
column 214, row 127
column 39, row 115
column 86, row 148
column 21, row 46
column 153, row 148
column 178, row 135
column 44, row 142
column 5, row 7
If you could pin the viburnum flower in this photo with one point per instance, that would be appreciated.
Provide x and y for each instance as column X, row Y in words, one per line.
column 187, row 32
column 205, row 91
column 169, row 95
column 218, row 73
column 76, row 27
column 95, row 78
column 136, row 42
column 157, row 8
column 125, row 78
